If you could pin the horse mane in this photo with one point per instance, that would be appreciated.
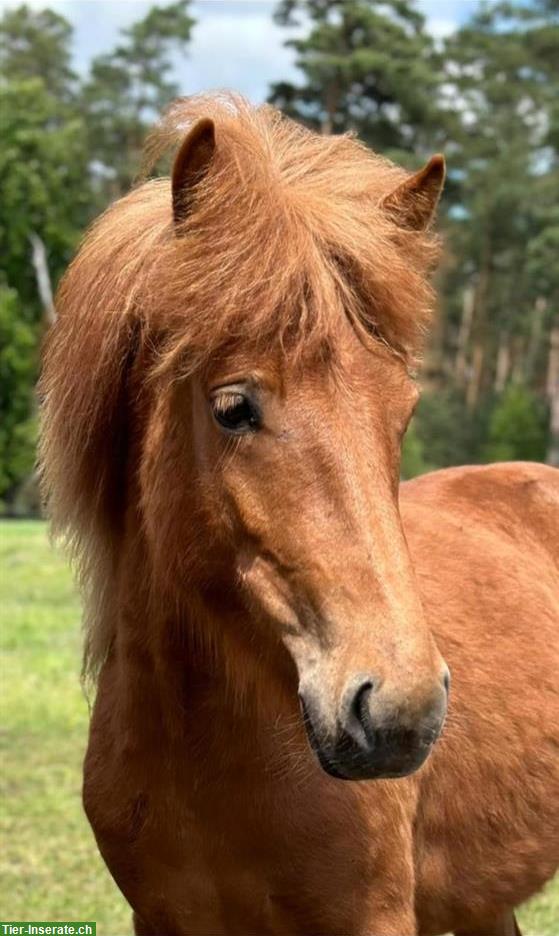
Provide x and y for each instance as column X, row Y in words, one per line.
column 286, row 233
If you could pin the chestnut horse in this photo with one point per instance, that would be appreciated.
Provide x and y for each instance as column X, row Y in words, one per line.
column 225, row 394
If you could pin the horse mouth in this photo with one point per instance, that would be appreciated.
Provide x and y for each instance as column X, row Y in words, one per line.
column 393, row 755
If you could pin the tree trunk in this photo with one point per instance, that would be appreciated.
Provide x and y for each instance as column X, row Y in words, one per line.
column 474, row 382
column 468, row 305
column 331, row 99
column 553, row 396
column 537, row 319
column 42, row 275
column 503, row 365
column 518, row 370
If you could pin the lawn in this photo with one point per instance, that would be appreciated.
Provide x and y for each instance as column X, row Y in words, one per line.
column 50, row 867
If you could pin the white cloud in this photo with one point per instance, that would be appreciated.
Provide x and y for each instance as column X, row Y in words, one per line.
column 245, row 52
column 236, row 43
column 440, row 27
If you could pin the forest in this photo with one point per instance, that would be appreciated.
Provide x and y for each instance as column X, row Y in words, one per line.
column 487, row 96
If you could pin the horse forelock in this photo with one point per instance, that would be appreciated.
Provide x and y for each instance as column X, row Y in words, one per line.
column 286, row 234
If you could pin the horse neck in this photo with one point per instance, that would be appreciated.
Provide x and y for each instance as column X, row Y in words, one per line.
column 211, row 679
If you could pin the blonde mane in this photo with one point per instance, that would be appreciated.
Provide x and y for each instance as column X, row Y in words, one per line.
column 286, row 233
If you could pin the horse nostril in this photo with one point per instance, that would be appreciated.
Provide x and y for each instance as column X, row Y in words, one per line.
column 446, row 681
column 360, row 705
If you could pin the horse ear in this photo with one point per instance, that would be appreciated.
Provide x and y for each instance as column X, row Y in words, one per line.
column 413, row 204
column 191, row 164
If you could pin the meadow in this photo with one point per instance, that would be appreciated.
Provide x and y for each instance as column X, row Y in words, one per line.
column 49, row 865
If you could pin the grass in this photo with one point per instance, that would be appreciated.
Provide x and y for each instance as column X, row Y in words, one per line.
column 49, row 865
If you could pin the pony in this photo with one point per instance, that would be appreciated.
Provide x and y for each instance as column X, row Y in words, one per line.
column 271, row 618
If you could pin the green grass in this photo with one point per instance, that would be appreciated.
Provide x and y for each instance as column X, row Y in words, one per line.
column 50, row 868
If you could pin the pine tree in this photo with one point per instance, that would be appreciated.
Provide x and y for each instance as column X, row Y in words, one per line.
column 502, row 81
column 37, row 44
column 128, row 87
column 368, row 66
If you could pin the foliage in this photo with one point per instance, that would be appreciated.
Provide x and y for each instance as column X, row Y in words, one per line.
column 18, row 350
column 129, row 86
column 449, row 432
column 502, row 217
column 366, row 66
column 517, row 427
column 45, row 190
column 488, row 95
column 43, row 167
column 63, row 141
column 413, row 454
column 37, row 44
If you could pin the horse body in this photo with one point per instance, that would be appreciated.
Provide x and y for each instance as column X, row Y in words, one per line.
column 484, row 543
column 452, row 848
column 225, row 393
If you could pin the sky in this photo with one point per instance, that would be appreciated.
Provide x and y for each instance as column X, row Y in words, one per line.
column 235, row 43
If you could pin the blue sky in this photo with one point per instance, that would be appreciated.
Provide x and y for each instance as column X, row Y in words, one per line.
column 235, row 43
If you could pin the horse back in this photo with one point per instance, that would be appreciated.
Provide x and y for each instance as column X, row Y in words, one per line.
column 519, row 500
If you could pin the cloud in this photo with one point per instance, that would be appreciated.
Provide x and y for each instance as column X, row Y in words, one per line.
column 236, row 43
column 235, row 46
column 440, row 27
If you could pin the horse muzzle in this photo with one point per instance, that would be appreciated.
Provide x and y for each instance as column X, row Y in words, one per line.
column 374, row 738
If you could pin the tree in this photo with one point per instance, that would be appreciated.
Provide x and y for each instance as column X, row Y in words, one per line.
column 44, row 170
column 45, row 197
column 37, row 44
column 501, row 69
column 44, row 193
column 61, row 141
column 128, row 87
column 367, row 65
column 18, row 353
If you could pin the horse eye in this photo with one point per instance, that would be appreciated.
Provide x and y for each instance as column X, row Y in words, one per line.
column 235, row 412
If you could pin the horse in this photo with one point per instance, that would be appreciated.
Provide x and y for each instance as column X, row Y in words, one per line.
column 271, row 618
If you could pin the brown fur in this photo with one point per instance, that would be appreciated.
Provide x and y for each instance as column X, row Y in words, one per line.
column 221, row 574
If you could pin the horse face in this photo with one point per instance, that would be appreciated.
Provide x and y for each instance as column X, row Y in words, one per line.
column 300, row 469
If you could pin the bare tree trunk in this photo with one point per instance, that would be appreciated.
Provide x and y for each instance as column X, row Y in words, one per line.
column 553, row 395
column 475, row 380
column 468, row 306
column 474, row 383
column 518, row 371
column 331, row 104
column 537, row 319
column 39, row 260
column 503, row 365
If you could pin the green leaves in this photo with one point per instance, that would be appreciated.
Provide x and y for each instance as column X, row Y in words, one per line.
column 18, row 353
column 36, row 44
column 517, row 428
column 44, row 168
column 365, row 66
column 127, row 89
column 67, row 149
column 489, row 97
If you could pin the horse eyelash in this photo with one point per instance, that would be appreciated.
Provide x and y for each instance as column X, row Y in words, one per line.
column 222, row 402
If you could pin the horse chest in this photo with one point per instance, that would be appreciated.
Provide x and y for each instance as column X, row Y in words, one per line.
column 244, row 869
column 235, row 867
